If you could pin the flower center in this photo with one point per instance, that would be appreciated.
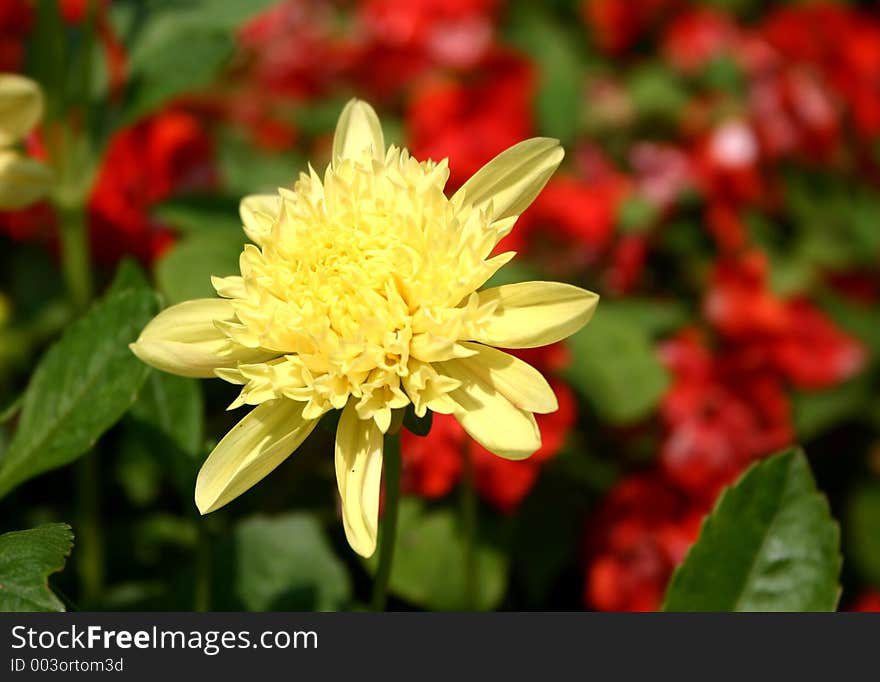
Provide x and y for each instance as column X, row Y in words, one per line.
column 365, row 276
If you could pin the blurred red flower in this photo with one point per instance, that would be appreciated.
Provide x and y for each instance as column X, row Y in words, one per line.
column 163, row 155
column 717, row 421
column 470, row 120
column 640, row 533
column 616, row 25
column 791, row 337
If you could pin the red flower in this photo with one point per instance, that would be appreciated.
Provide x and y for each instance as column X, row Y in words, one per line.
column 616, row 25
column 16, row 19
column 641, row 532
column 570, row 224
column 791, row 337
column 697, row 36
column 868, row 601
column 163, row 155
column 470, row 121
column 717, row 421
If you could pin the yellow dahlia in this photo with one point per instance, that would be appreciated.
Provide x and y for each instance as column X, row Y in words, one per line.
column 22, row 180
column 360, row 293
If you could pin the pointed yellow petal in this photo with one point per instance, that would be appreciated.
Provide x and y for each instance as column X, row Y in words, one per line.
column 532, row 314
column 358, row 129
column 518, row 381
column 184, row 340
column 513, row 179
column 22, row 180
column 359, row 476
column 258, row 213
column 253, row 448
column 21, row 106
column 488, row 416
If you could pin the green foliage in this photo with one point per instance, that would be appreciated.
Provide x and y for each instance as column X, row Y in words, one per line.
column 769, row 545
column 428, row 568
column 286, row 563
column 82, row 385
column 558, row 55
column 165, row 428
column 182, row 48
column 185, row 272
column 27, row 558
column 862, row 523
column 615, row 365
column 817, row 411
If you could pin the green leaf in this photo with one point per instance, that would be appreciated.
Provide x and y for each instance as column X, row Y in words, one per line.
column 615, row 366
column 201, row 214
column 27, row 558
column 769, row 545
column 163, row 432
column 185, row 271
column 862, row 526
column 174, row 57
column 429, row 561
column 83, row 384
column 636, row 214
column 286, row 563
column 818, row 411
column 558, row 54
column 246, row 170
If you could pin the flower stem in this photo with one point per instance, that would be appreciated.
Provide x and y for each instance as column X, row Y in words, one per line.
column 75, row 264
column 89, row 540
column 388, row 534
column 202, row 592
column 469, row 528
column 76, row 268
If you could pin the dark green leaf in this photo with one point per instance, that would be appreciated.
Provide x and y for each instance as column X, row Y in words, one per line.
column 615, row 366
column 817, row 411
column 429, row 562
column 82, row 385
column 165, row 431
column 27, row 558
column 862, row 526
column 769, row 545
column 285, row 563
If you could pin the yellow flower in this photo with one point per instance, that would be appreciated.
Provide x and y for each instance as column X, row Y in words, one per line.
column 359, row 293
column 22, row 180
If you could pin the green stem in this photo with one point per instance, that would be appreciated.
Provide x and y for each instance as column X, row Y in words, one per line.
column 75, row 263
column 76, row 269
column 202, row 592
column 469, row 528
column 388, row 534
column 89, row 540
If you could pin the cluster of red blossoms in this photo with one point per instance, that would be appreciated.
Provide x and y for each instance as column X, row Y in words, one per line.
column 810, row 97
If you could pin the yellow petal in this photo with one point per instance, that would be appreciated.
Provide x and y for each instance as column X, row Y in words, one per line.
column 359, row 476
column 532, row 314
column 21, row 106
column 518, row 381
column 488, row 416
column 253, row 448
column 229, row 287
column 185, row 340
column 258, row 213
column 513, row 179
column 22, row 180
column 358, row 129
